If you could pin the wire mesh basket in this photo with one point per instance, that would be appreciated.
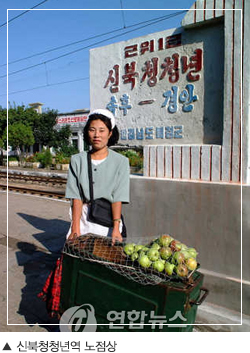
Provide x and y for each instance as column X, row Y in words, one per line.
column 99, row 249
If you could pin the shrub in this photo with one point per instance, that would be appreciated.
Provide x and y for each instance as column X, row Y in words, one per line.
column 44, row 157
column 67, row 151
column 62, row 159
column 135, row 158
column 32, row 158
column 13, row 158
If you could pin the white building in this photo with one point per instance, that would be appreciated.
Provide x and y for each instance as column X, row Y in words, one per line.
column 77, row 120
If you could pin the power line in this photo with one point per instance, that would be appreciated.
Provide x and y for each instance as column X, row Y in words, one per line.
column 83, row 40
column 47, row 85
column 61, row 47
column 86, row 78
column 22, row 13
column 88, row 46
column 123, row 17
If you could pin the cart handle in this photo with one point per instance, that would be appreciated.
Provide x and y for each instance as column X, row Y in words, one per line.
column 202, row 298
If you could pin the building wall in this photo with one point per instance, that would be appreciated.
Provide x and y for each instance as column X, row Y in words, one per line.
column 229, row 160
column 206, row 216
column 146, row 83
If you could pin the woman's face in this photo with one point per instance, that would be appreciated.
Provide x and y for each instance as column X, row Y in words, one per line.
column 99, row 134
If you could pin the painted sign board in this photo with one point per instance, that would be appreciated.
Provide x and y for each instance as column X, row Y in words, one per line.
column 155, row 86
column 72, row 120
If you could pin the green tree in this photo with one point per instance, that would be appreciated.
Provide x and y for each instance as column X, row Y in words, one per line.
column 28, row 119
column 19, row 135
column 3, row 121
column 44, row 132
column 3, row 124
column 24, row 115
column 62, row 137
column 35, row 127
column 63, row 145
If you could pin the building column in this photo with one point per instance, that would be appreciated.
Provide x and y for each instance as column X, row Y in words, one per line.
column 80, row 141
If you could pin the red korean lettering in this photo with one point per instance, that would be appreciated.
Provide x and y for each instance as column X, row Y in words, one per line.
column 160, row 44
column 171, row 67
column 173, row 41
column 147, row 46
column 131, row 50
column 113, row 78
column 130, row 74
column 195, row 64
column 151, row 71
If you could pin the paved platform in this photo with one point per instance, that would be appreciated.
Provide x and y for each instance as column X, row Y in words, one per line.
column 36, row 234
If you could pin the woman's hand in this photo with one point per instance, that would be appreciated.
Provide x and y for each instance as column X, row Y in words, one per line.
column 116, row 211
column 116, row 236
column 76, row 215
column 73, row 235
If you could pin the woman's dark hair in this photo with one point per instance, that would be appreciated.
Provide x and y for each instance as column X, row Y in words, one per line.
column 115, row 133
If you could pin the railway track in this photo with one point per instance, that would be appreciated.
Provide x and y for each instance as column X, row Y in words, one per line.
column 58, row 194
column 46, row 186
column 54, row 180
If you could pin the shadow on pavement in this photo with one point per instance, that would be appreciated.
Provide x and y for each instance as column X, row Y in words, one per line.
column 53, row 232
column 37, row 265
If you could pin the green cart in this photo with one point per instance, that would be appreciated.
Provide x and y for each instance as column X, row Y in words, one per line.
column 121, row 304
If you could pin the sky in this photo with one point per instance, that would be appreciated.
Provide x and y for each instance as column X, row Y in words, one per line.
column 47, row 65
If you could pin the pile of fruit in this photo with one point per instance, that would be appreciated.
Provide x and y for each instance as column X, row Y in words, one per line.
column 164, row 255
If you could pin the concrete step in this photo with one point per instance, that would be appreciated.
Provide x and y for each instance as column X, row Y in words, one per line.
column 215, row 318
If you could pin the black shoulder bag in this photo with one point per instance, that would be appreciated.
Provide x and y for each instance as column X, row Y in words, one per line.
column 100, row 210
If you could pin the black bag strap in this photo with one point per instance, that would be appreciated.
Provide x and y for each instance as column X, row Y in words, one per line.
column 91, row 191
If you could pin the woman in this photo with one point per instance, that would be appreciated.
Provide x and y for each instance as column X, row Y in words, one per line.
column 111, row 181
column 110, row 172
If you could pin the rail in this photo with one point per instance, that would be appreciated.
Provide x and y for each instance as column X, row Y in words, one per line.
column 33, row 178
column 33, row 184
column 34, row 191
